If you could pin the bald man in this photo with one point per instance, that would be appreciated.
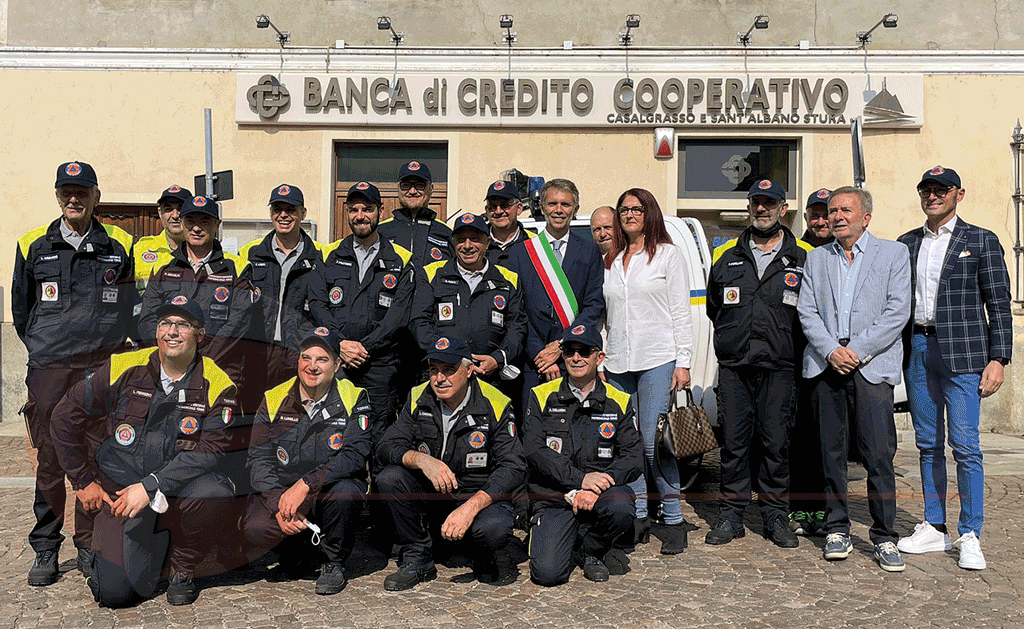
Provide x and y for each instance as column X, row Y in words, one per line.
column 602, row 226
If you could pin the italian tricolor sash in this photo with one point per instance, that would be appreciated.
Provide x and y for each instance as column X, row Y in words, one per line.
column 553, row 278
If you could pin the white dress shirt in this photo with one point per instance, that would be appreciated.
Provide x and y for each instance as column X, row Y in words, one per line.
column 929, row 268
column 648, row 309
column 559, row 245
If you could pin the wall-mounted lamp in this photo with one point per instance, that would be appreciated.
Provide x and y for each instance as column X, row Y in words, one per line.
column 626, row 40
column 760, row 23
column 263, row 21
column 384, row 24
column 888, row 21
column 508, row 86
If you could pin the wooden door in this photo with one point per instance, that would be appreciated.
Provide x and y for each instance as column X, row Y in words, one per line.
column 389, row 200
column 137, row 220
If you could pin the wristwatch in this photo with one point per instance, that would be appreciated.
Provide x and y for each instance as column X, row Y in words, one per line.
column 1002, row 361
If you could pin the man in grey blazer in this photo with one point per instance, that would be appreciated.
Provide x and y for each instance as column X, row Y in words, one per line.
column 853, row 306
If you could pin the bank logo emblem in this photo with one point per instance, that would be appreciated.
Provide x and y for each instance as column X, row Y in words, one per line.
column 268, row 98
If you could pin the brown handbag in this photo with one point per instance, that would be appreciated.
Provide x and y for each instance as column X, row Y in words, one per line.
column 685, row 432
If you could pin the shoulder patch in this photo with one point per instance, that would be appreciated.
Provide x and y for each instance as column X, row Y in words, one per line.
column 511, row 276
column 403, row 253
column 721, row 249
column 431, row 269
column 120, row 236
column 349, row 394
column 218, row 379
column 618, row 395
column 120, row 363
column 499, row 401
column 26, row 241
column 275, row 397
column 546, row 390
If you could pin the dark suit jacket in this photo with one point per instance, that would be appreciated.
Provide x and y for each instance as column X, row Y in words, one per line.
column 585, row 272
column 973, row 281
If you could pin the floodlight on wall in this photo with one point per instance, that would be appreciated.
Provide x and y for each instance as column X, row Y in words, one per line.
column 760, row 23
column 384, row 24
column 508, row 86
column 888, row 21
column 263, row 21
column 626, row 40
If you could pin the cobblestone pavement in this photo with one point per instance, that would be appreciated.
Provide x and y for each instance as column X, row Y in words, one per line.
column 748, row 583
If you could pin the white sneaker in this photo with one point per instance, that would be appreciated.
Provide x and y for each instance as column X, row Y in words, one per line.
column 971, row 557
column 926, row 539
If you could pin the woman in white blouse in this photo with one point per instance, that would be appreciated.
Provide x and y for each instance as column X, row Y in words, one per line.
column 650, row 341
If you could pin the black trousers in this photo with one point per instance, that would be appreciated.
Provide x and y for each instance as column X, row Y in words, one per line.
column 835, row 399
column 418, row 510
column 806, row 479
column 755, row 403
column 46, row 387
column 335, row 510
column 554, row 529
column 380, row 379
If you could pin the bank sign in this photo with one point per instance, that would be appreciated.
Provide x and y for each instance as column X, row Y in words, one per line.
column 607, row 101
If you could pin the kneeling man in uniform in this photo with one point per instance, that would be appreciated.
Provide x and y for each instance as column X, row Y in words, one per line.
column 307, row 461
column 452, row 458
column 163, row 415
column 583, row 448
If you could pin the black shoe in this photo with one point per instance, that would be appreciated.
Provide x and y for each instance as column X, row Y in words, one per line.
column 486, row 570
column 44, row 570
column 639, row 533
column 673, row 539
column 724, row 533
column 332, row 579
column 408, row 576
column 594, row 569
column 85, row 558
column 182, row 589
column 777, row 530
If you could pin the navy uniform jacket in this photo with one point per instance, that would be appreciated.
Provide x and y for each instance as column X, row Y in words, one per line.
column 426, row 237
column 585, row 272
column 973, row 282
column 69, row 302
column 497, row 255
column 491, row 319
column 371, row 311
column 223, row 290
column 483, row 450
column 755, row 319
column 287, row 444
column 296, row 319
column 177, row 437
column 565, row 439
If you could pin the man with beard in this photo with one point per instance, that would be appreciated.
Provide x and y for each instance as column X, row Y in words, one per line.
column 502, row 206
column 363, row 293
column 282, row 264
column 602, row 227
column 152, row 252
column 71, row 298
column 752, row 295
column 413, row 225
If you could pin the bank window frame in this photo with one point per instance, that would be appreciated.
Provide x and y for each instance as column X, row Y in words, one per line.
column 790, row 183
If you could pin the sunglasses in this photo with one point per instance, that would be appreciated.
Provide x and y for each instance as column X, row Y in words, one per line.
column 583, row 351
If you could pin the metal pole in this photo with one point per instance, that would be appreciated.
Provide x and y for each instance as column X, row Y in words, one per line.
column 208, row 125
column 1016, row 142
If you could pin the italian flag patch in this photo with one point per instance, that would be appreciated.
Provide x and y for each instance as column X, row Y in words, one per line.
column 225, row 416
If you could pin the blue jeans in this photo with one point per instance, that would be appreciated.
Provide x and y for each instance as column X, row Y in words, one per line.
column 937, row 396
column 651, row 391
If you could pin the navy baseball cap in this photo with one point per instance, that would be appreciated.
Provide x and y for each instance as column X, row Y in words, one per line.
column 287, row 193
column 326, row 339
column 471, row 221
column 202, row 205
column 945, row 176
column 176, row 192
column 586, row 335
column 76, row 174
column 414, row 169
column 183, row 306
column 819, row 196
column 768, row 188
column 503, row 189
column 449, row 349
column 366, row 190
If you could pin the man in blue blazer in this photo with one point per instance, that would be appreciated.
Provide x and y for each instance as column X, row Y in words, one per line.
column 853, row 305
column 956, row 357
column 545, row 264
